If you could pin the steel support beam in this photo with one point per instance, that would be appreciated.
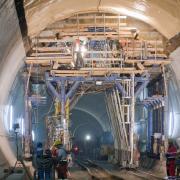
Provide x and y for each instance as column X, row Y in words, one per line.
column 150, row 130
column 121, row 89
column 142, row 86
column 27, row 119
column 53, row 90
column 63, row 113
column 51, row 87
column 63, row 99
column 92, row 79
column 73, row 90
column 132, row 121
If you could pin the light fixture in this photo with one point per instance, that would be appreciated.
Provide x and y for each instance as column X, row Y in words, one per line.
column 88, row 137
column 99, row 83
column 11, row 118
column 33, row 135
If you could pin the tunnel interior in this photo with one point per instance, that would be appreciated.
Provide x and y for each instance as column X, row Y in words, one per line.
column 101, row 77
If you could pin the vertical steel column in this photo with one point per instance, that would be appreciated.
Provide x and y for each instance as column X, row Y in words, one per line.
column 165, row 109
column 63, row 102
column 27, row 121
column 132, row 120
column 150, row 129
column 63, row 114
column 162, row 120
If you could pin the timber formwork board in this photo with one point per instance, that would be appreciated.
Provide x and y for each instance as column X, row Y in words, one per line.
column 86, row 72
column 48, row 60
column 148, row 62
column 45, row 60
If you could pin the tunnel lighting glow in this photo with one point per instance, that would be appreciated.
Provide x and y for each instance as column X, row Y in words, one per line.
column 170, row 123
column 33, row 135
column 11, row 118
column 22, row 126
column 134, row 14
column 98, row 83
column 88, row 137
column 83, row 49
column 77, row 48
column 122, row 17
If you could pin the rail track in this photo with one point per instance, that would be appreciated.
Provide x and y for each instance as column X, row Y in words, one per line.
column 97, row 172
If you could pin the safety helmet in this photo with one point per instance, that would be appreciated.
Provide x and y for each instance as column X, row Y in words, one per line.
column 57, row 142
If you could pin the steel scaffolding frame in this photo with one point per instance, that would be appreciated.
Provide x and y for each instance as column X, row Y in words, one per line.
column 126, row 67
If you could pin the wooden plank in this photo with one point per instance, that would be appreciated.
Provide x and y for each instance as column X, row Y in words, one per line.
column 47, row 54
column 103, row 59
column 98, row 73
column 98, row 17
column 73, row 25
column 48, row 61
column 149, row 61
column 50, row 57
column 48, row 39
column 58, row 53
column 140, row 66
column 156, row 62
column 48, row 49
column 148, row 49
column 109, row 69
column 122, row 33
column 67, row 29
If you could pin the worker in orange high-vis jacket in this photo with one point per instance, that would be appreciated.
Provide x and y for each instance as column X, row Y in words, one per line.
column 171, row 157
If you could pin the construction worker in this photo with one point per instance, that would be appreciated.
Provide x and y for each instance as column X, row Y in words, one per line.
column 61, row 160
column 39, row 155
column 170, row 162
column 44, row 164
column 178, row 163
column 48, row 163
column 39, row 149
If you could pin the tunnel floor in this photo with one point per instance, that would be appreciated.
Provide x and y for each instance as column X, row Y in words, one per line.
column 76, row 172
column 115, row 172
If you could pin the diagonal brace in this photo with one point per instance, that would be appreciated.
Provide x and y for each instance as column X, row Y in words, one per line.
column 142, row 86
column 121, row 88
column 72, row 90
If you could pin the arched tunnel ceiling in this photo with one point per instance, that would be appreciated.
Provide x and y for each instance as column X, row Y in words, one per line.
column 82, row 122
column 159, row 14
column 94, row 105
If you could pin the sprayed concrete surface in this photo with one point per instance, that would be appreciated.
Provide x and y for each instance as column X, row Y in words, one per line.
column 11, row 59
column 158, row 14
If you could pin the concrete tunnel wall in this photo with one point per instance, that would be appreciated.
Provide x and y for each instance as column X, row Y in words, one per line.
column 12, row 54
column 12, row 50
column 158, row 14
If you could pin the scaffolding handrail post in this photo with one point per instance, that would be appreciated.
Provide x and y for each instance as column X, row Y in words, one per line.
column 132, row 120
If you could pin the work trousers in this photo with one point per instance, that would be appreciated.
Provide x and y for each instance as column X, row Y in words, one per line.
column 62, row 170
column 170, row 165
column 44, row 174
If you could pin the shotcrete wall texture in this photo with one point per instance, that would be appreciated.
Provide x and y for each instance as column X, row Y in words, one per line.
column 11, row 59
